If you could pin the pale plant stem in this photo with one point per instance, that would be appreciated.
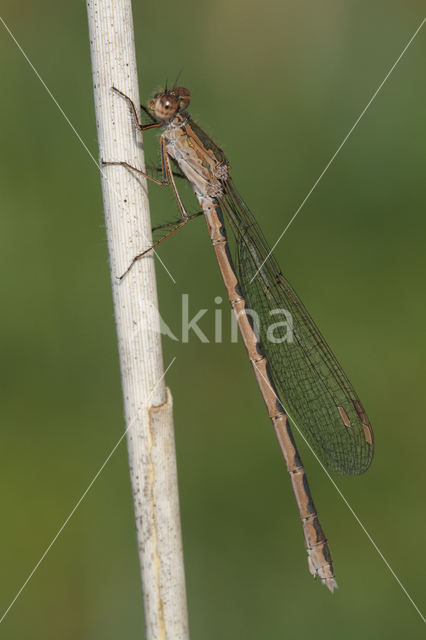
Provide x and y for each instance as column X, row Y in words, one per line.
column 147, row 402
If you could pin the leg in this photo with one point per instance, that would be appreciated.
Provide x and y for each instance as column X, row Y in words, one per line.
column 158, row 169
column 178, row 225
column 165, row 162
column 165, row 166
column 167, row 179
column 162, row 183
column 138, row 125
column 166, row 170
column 172, row 224
column 148, row 113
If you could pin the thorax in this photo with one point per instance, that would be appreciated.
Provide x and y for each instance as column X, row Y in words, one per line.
column 204, row 165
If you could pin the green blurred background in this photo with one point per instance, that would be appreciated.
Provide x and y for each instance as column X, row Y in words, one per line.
column 278, row 86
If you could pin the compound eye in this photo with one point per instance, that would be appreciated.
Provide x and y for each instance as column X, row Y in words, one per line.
column 169, row 103
column 183, row 95
column 165, row 106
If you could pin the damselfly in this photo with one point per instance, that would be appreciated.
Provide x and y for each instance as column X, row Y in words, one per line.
column 300, row 379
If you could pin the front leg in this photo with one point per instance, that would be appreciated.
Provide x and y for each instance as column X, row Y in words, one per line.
column 138, row 124
column 148, row 113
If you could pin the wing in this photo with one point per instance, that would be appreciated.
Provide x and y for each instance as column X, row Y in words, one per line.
column 314, row 389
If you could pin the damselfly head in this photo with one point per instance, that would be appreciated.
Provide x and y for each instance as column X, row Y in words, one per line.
column 166, row 104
